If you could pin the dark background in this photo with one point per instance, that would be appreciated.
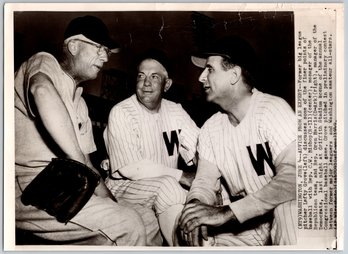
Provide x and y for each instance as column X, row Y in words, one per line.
column 178, row 33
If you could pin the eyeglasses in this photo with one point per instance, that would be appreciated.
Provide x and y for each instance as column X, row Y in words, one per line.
column 98, row 46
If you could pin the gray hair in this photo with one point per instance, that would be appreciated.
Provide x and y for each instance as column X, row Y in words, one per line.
column 248, row 78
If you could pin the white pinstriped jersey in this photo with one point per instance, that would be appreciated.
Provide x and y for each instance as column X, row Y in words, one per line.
column 245, row 154
column 134, row 134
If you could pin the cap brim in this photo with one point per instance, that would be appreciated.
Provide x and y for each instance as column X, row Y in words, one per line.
column 199, row 61
column 112, row 45
column 115, row 50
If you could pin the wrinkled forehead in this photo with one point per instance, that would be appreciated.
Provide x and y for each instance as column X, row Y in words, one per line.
column 152, row 66
column 84, row 38
column 79, row 37
column 214, row 61
column 203, row 61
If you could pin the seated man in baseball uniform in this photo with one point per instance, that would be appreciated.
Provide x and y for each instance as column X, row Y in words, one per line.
column 51, row 121
column 246, row 153
column 144, row 138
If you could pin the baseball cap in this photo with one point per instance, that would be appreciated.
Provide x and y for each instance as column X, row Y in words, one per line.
column 92, row 28
column 158, row 55
column 237, row 49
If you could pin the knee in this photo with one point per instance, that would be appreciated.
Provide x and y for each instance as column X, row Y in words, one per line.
column 135, row 222
column 170, row 191
column 135, row 232
column 169, row 180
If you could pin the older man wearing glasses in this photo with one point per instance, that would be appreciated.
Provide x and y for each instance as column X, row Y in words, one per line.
column 51, row 121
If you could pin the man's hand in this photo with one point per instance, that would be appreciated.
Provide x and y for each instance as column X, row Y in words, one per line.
column 103, row 191
column 195, row 237
column 187, row 178
column 197, row 216
column 105, row 164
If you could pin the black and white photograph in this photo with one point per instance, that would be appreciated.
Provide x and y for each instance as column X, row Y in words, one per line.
column 172, row 127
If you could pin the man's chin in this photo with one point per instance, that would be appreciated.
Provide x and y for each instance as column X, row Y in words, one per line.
column 93, row 76
column 209, row 98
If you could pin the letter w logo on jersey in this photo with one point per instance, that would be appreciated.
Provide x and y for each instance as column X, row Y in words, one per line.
column 261, row 156
column 170, row 143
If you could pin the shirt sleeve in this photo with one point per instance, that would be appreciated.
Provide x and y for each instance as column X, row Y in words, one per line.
column 41, row 62
column 207, row 181
column 121, row 140
column 278, row 122
column 188, row 139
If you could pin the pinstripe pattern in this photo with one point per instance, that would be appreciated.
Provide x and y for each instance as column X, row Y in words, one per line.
column 134, row 134
column 285, row 224
column 157, row 193
column 247, row 238
column 269, row 122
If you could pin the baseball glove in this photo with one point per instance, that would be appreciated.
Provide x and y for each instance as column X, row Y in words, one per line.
column 62, row 188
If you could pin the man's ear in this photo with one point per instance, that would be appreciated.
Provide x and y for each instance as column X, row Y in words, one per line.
column 236, row 74
column 72, row 47
column 168, row 84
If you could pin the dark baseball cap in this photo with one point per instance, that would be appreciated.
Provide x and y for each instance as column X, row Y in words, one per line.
column 237, row 49
column 158, row 55
column 92, row 28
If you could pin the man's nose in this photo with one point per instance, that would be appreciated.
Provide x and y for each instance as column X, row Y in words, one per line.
column 147, row 81
column 203, row 77
column 103, row 56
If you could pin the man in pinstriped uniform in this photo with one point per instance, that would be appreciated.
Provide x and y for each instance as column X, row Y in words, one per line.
column 246, row 153
column 144, row 138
